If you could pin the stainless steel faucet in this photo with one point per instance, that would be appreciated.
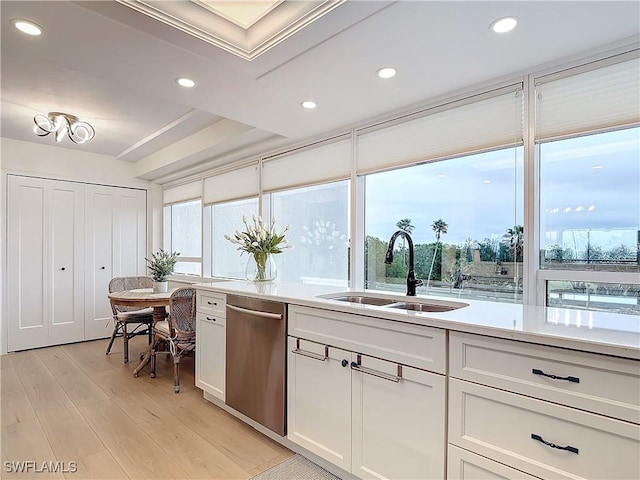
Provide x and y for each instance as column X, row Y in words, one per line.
column 412, row 282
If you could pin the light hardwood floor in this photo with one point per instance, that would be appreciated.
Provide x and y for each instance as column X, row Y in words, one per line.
column 73, row 403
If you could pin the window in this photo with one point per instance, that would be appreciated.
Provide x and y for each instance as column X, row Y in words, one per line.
column 182, row 234
column 477, row 203
column 319, row 219
column 588, row 146
column 224, row 219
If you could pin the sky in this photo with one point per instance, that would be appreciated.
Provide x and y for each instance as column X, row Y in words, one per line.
column 588, row 183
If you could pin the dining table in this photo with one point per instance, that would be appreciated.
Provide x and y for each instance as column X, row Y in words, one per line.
column 144, row 298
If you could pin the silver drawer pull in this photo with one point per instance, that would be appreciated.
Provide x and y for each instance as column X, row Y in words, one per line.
column 537, row 371
column 315, row 356
column 568, row 448
column 369, row 371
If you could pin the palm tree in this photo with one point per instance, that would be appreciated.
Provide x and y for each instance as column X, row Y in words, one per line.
column 439, row 227
column 406, row 226
column 514, row 239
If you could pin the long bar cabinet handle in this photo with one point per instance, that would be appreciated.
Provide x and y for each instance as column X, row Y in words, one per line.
column 315, row 356
column 537, row 371
column 370, row 371
column 568, row 448
column 275, row 316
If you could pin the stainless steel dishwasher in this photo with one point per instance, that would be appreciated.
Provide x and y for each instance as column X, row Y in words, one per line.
column 256, row 360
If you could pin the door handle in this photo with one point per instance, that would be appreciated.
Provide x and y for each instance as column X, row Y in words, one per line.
column 63, row 268
column 102, row 268
column 256, row 313
column 369, row 371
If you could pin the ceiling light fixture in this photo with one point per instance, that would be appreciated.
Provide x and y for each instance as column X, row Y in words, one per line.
column 504, row 25
column 386, row 72
column 26, row 26
column 185, row 82
column 309, row 104
column 61, row 123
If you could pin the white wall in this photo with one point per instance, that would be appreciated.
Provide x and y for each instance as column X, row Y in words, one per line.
column 72, row 164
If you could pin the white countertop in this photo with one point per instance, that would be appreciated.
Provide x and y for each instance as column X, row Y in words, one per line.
column 597, row 332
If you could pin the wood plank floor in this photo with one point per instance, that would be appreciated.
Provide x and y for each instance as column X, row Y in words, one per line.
column 71, row 407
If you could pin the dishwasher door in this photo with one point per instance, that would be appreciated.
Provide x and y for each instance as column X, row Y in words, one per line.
column 256, row 360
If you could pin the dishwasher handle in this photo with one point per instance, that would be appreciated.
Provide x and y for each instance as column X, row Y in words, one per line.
column 275, row 316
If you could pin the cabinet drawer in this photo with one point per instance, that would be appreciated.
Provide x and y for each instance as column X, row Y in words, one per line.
column 211, row 302
column 596, row 383
column 465, row 465
column 511, row 428
column 413, row 345
column 215, row 319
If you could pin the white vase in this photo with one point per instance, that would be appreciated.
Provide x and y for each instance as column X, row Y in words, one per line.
column 160, row 287
column 260, row 268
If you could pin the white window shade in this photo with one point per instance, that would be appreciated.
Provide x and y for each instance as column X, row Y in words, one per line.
column 182, row 193
column 233, row 185
column 588, row 101
column 485, row 122
column 310, row 165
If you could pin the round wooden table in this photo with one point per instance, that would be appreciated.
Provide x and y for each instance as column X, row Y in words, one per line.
column 143, row 298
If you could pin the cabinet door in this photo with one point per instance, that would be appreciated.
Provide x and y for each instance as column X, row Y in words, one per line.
column 398, row 421
column 210, row 354
column 115, row 233
column 44, row 262
column 319, row 400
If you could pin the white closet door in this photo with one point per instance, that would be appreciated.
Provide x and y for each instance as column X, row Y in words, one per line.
column 66, row 261
column 115, row 233
column 44, row 235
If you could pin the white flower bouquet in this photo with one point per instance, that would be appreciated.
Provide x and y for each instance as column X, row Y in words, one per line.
column 260, row 241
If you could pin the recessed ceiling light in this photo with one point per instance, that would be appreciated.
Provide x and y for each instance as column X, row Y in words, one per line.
column 27, row 27
column 504, row 25
column 309, row 104
column 185, row 82
column 386, row 72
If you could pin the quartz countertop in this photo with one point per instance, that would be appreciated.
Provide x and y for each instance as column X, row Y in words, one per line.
column 596, row 332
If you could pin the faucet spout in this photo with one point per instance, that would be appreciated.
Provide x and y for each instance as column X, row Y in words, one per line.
column 412, row 282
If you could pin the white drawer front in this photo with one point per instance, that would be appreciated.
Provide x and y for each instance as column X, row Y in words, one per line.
column 502, row 425
column 465, row 465
column 215, row 319
column 597, row 383
column 413, row 345
column 211, row 302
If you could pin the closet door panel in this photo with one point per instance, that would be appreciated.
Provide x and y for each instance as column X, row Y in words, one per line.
column 131, row 232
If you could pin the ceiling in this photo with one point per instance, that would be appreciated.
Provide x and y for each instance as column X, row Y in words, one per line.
column 114, row 65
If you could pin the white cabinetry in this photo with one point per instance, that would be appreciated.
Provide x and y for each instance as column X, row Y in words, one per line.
column 45, row 262
column 374, row 417
column 60, row 235
column 211, row 343
column 115, row 238
column 550, row 412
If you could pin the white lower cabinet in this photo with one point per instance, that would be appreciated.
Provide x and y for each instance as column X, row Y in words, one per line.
column 319, row 400
column 371, row 417
column 398, row 422
column 210, row 354
column 465, row 465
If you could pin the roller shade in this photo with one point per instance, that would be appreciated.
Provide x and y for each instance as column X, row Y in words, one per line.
column 314, row 164
column 182, row 193
column 579, row 101
column 233, row 185
column 488, row 121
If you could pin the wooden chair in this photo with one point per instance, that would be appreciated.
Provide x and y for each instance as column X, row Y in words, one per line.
column 178, row 332
column 140, row 319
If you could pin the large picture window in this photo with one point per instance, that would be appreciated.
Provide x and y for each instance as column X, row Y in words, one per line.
column 319, row 219
column 465, row 217
column 183, row 234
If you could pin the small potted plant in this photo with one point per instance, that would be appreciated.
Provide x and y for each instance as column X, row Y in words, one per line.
column 160, row 266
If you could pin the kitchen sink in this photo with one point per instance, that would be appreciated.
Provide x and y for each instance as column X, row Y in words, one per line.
column 426, row 307
column 364, row 299
column 395, row 303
